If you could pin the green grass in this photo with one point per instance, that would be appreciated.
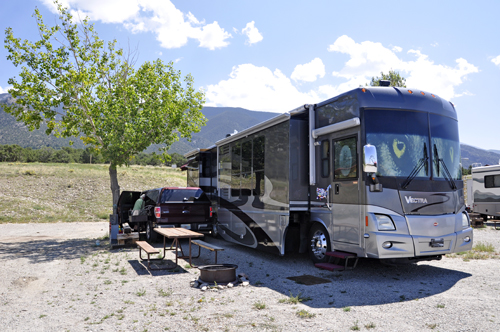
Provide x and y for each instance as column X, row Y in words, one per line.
column 484, row 247
column 370, row 326
column 71, row 192
column 294, row 299
column 305, row 314
column 479, row 251
column 259, row 305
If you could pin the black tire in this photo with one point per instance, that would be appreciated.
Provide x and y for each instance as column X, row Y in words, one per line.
column 319, row 243
column 215, row 231
column 150, row 233
column 485, row 217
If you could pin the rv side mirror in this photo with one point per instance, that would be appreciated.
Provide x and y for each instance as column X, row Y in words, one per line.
column 369, row 158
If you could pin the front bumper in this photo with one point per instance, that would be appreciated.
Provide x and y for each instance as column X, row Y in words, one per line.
column 408, row 246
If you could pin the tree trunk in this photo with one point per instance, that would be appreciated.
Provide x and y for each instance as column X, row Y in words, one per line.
column 115, row 187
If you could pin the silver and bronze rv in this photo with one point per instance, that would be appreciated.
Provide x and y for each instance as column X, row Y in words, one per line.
column 374, row 172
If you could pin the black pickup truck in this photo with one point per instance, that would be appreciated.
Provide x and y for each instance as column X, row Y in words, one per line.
column 166, row 207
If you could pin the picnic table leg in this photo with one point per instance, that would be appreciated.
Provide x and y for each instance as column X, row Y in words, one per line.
column 190, row 253
column 176, row 242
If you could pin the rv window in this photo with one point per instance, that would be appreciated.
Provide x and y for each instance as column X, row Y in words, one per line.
column 325, row 158
column 246, row 169
column 258, row 157
column 346, row 159
column 492, row 181
column 246, row 157
column 225, row 167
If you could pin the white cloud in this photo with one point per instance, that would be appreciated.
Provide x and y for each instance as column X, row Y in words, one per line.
column 397, row 49
column 172, row 27
column 253, row 34
column 496, row 61
column 309, row 72
column 439, row 79
column 368, row 59
column 261, row 89
column 5, row 90
column 258, row 88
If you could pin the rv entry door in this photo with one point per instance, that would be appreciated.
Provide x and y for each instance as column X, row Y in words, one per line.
column 344, row 194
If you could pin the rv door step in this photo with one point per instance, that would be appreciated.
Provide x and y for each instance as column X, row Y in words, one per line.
column 329, row 266
column 340, row 254
column 346, row 256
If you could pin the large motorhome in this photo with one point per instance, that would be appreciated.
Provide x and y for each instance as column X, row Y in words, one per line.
column 486, row 190
column 374, row 172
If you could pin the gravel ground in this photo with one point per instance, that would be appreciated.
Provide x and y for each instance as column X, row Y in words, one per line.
column 55, row 278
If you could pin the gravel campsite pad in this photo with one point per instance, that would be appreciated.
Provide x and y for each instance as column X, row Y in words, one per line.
column 55, row 278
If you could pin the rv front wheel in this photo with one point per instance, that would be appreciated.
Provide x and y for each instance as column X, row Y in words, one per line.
column 319, row 243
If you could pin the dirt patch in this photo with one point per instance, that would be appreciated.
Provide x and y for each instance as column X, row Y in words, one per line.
column 55, row 278
column 23, row 281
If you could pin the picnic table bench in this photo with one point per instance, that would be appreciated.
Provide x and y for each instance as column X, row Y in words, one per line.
column 208, row 246
column 149, row 250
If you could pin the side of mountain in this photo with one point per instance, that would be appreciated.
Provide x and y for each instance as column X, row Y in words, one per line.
column 471, row 155
column 220, row 122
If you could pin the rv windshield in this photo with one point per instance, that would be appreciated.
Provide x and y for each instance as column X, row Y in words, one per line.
column 444, row 139
column 402, row 141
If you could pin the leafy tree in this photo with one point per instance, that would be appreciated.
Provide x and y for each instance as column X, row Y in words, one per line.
column 31, row 155
column 177, row 159
column 394, row 77
column 46, row 154
column 11, row 153
column 61, row 156
column 109, row 105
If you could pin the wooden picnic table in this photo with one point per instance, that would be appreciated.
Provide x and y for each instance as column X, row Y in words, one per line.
column 176, row 234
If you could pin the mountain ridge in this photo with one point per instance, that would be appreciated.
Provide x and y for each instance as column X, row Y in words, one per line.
column 220, row 122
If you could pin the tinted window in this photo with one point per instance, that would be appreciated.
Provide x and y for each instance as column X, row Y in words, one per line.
column 258, row 157
column 176, row 195
column 492, row 181
column 325, row 158
column 152, row 196
column 401, row 139
column 445, row 146
column 346, row 159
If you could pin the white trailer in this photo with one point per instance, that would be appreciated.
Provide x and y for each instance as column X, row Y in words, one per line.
column 486, row 191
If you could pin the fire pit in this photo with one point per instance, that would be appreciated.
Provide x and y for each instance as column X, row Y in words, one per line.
column 219, row 273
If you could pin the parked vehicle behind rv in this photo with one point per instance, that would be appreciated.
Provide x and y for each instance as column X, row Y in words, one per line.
column 486, row 191
column 187, row 207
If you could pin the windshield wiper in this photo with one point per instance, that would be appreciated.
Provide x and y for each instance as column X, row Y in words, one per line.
column 422, row 162
column 446, row 173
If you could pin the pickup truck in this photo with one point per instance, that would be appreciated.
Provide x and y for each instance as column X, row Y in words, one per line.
column 187, row 207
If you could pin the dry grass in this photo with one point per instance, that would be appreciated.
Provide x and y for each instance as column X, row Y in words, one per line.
column 38, row 192
column 479, row 251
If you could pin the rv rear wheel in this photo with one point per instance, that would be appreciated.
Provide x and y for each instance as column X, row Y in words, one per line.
column 319, row 243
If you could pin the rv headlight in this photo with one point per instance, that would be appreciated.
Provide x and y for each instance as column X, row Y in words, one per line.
column 384, row 223
column 465, row 220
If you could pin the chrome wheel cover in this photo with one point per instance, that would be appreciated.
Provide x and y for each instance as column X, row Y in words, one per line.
column 319, row 244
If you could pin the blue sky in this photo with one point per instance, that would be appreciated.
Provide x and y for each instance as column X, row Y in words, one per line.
column 278, row 55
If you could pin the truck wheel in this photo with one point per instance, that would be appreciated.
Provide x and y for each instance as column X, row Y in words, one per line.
column 319, row 243
column 485, row 217
column 150, row 233
column 215, row 230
